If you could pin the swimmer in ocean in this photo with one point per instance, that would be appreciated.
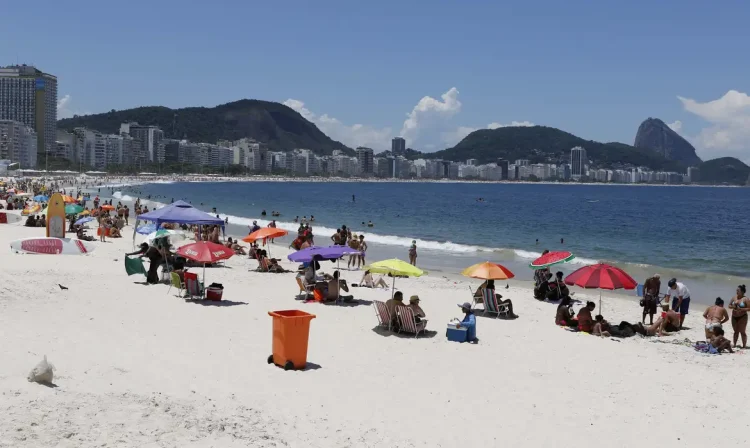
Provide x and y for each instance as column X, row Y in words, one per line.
column 354, row 198
column 370, row 224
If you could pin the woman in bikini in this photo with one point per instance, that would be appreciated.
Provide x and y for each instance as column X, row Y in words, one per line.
column 739, row 306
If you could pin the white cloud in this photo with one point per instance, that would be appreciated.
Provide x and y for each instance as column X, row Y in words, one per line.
column 430, row 116
column 63, row 105
column 675, row 126
column 429, row 126
column 352, row 136
column 729, row 130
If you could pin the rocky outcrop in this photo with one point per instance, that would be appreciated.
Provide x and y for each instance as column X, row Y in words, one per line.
column 655, row 135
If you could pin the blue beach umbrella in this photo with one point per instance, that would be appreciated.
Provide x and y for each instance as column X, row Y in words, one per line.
column 41, row 198
column 146, row 229
column 84, row 220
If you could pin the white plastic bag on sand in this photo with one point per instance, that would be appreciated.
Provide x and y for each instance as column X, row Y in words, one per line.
column 42, row 373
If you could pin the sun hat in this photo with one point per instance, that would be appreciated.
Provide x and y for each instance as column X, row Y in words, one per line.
column 413, row 299
column 465, row 305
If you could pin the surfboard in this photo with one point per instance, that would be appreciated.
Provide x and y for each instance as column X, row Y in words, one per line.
column 9, row 218
column 52, row 246
column 31, row 210
column 56, row 216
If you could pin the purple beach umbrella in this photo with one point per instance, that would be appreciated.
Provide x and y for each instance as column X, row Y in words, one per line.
column 325, row 253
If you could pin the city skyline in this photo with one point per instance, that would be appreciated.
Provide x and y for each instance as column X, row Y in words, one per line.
column 593, row 70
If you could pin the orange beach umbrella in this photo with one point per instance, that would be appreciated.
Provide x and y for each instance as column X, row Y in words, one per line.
column 266, row 232
column 68, row 199
column 108, row 208
column 488, row 271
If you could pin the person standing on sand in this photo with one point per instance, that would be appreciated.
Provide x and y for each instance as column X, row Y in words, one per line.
column 353, row 244
column 680, row 295
column 413, row 253
column 651, row 289
column 715, row 315
column 739, row 306
column 363, row 249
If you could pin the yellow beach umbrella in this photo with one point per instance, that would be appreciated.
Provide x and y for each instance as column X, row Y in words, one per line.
column 488, row 271
column 395, row 268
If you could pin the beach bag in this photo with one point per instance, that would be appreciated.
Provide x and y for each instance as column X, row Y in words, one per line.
column 134, row 266
column 42, row 373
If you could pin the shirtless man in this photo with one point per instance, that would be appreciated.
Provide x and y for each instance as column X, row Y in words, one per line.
column 716, row 316
column 670, row 323
column 353, row 244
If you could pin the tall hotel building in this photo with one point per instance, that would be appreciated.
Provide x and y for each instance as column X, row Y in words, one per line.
column 29, row 96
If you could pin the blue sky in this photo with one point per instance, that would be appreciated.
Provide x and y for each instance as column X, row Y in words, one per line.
column 366, row 71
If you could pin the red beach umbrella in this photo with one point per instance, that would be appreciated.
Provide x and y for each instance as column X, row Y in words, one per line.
column 601, row 276
column 551, row 258
column 205, row 252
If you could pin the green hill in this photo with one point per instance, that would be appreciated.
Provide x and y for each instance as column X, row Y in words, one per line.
column 724, row 170
column 542, row 144
column 275, row 124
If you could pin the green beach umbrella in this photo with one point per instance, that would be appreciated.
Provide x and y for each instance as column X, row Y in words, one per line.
column 395, row 268
column 72, row 209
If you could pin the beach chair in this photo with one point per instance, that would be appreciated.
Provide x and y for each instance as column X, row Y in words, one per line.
column 491, row 306
column 304, row 288
column 381, row 312
column 193, row 287
column 407, row 323
column 475, row 300
column 176, row 283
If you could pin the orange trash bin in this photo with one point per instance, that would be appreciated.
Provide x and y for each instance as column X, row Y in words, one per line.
column 291, row 329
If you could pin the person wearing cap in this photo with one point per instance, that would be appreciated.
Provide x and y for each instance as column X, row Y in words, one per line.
column 680, row 296
column 416, row 309
column 469, row 322
column 651, row 289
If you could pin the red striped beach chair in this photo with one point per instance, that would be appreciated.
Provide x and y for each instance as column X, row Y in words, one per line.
column 407, row 323
column 193, row 287
column 381, row 311
column 491, row 306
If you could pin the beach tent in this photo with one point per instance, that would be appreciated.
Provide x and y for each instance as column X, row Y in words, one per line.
column 179, row 212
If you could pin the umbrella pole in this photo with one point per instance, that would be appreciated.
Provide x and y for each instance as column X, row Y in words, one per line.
column 393, row 287
column 600, row 303
column 204, row 275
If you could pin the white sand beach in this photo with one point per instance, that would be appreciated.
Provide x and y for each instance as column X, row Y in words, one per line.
column 137, row 366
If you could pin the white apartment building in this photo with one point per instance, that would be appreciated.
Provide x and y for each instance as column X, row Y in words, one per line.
column 151, row 140
column 18, row 143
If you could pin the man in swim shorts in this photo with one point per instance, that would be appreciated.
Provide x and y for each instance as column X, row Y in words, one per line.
column 716, row 316
column 680, row 296
column 670, row 322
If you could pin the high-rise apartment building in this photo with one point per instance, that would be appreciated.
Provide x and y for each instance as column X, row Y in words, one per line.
column 365, row 158
column 398, row 146
column 578, row 161
column 29, row 96
column 503, row 165
column 151, row 140
column 18, row 143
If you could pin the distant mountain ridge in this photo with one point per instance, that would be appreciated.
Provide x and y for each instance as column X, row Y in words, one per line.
column 541, row 143
column 655, row 135
column 275, row 124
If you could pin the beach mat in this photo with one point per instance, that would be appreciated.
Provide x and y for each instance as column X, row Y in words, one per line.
column 134, row 266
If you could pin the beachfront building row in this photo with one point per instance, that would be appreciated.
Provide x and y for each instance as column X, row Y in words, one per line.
column 18, row 143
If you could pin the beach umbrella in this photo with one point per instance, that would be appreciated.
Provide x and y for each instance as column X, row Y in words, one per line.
column 84, row 213
column 173, row 235
column 395, row 268
column 601, row 276
column 84, row 220
column 266, row 232
column 205, row 252
column 488, row 271
column 551, row 258
column 41, row 198
column 72, row 209
column 322, row 253
column 68, row 199
column 107, row 207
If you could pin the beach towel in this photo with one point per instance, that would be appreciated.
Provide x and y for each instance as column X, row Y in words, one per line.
column 134, row 266
column 705, row 347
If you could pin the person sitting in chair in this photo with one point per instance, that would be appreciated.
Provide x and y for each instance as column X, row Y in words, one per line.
column 490, row 284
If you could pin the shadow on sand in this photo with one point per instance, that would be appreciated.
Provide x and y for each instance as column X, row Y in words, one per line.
column 217, row 303
column 428, row 334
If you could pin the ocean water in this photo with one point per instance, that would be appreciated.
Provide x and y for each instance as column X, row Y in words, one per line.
column 698, row 234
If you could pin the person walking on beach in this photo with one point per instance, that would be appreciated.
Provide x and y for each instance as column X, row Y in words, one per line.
column 353, row 244
column 413, row 253
column 715, row 315
column 680, row 295
column 739, row 306
column 651, row 289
